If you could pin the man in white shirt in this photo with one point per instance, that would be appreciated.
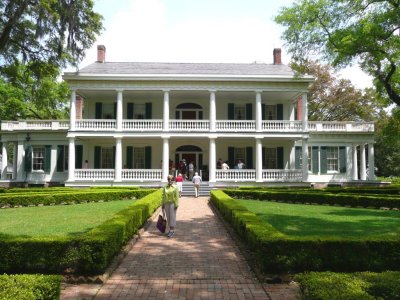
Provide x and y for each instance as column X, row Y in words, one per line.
column 196, row 181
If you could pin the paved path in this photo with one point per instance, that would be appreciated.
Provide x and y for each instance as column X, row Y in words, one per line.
column 200, row 262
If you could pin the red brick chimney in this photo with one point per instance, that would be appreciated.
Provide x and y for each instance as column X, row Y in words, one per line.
column 277, row 56
column 101, row 53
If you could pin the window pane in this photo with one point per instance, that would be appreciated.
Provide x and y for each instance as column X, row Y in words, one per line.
column 107, row 157
column 138, row 158
column 332, row 157
column 270, row 112
column 108, row 111
column 240, row 154
column 38, row 158
column 140, row 110
column 239, row 112
column 270, row 158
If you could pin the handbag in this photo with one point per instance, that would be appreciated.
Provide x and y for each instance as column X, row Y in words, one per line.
column 162, row 222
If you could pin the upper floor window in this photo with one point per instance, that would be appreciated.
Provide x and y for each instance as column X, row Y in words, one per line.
column 270, row 112
column 107, row 157
column 189, row 111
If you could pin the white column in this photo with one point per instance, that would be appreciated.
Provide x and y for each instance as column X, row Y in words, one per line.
column 4, row 161
column 212, row 161
column 371, row 162
column 15, row 161
column 304, row 153
column 71, row 160
column 259, row 160
column 258, row 112
column 20, row 161
column 213, row 112
column 118, row 160
column 292, row 111
column 355, row 168
column 72, row 110
column 165, row 160
column 304, row 116
column 363, row 165
column 166, row 113
column 119, row 110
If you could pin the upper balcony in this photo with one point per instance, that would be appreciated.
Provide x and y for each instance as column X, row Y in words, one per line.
column 189, row 126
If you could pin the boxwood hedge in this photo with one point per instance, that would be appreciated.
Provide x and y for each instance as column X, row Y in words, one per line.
column 88, row 253
column 276, row 252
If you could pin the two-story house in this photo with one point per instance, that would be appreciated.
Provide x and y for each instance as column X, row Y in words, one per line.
column 131, row 123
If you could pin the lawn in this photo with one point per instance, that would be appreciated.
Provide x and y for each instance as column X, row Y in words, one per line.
column 59, row 219
column 299, row 220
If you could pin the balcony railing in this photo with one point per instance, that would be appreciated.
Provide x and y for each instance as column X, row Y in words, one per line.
column 267, row 175
column 282, row 175
column 94, row 174
column 142, row 174
column 187, row 125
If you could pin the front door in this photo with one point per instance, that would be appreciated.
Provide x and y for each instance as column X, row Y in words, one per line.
column 189, row 115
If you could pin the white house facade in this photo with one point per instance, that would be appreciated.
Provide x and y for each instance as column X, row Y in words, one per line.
column 132, row 123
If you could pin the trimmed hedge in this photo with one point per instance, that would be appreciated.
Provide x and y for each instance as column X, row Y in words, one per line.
column 88, row 253
column 354, row 200
column 338, row 286
column 74, row 196
column 276, row 252
column 30, row 287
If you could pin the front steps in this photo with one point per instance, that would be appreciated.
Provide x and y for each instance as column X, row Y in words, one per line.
column 188, row 189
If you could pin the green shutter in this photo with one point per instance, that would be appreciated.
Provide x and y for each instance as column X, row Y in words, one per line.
column 342, row 159
column 279, row 158
column 115, row 110
column 263, row 158
column 279, row 111
column 60, row 158
column 297, row 155
column 129, row 157
column 47, row 158
column 129, row 113
column 147, row 157
column 114, row 155
column 28, row 158
column 99, row 110
column 231, row 157
column 148, row 112
column 249, row 157
column 176, row 159
column 78, row 156
column 315, row 165
column 263, row 108
column 249, row 111
column 97, row 157
column 324, row 162
column 231, row 111
column 200, row 161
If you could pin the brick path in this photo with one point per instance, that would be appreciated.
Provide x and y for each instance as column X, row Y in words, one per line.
column 200, row 262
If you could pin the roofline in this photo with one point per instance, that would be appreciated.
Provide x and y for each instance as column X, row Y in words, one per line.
column 186, row 77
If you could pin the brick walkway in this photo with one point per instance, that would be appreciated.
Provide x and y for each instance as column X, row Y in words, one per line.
column 200, row 262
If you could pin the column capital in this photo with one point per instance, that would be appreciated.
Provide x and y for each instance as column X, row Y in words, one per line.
column 119, row 90
column 166, row 90
column 258, row 91
column 213, row 90
column 212, row 137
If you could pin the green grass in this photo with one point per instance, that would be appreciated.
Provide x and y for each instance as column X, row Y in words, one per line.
column 59, row 219
column 299, row 220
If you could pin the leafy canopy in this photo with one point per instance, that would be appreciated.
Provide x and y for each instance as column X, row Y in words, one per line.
column 342, row 32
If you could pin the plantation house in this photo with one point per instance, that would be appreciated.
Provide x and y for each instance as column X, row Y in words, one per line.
column 131, row 123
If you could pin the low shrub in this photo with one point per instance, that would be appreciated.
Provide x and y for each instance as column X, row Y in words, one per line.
column 30, row 287
column 87, row 253
column 338, row 286
column 276, row 252
column 74, row 196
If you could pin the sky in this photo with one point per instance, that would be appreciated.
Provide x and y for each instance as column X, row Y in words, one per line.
column 194, row 31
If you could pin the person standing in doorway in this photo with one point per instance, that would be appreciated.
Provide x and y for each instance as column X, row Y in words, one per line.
column 170, row 203
column 191, row 170
column 196, row 181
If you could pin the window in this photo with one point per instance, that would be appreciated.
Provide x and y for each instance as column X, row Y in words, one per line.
column 138, row 158
column 332, row 158
column 140, row 111
column 270, row 112
column 107, row 159
column 38, row 158
column 240, row 154
column 240, row 112
column 270, row 158
column 108, row 111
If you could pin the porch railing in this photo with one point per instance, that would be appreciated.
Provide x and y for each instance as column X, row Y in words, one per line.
column 282, row 126
column 235, row 125
column 341, row 126
column 103, row 124
column 94, row 174
column 142, row 125
column 282, row 175
column 34, row 125
column 142, row 174
column 189, row 125
column 235, row 175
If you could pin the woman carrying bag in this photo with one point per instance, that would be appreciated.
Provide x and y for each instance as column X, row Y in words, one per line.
column 170, row 203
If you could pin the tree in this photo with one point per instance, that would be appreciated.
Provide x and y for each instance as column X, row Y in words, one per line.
column 46, row 32
column 342, row 32
column 22, row 96
column 388, row 145
column 333, row 99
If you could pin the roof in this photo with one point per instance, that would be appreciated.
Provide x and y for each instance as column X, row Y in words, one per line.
column 147, row 68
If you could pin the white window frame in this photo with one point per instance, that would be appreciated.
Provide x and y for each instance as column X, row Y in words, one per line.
column 270, row 110
column 38, row 158
column 139, row 157
column 107, row 157
column 332, row 159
